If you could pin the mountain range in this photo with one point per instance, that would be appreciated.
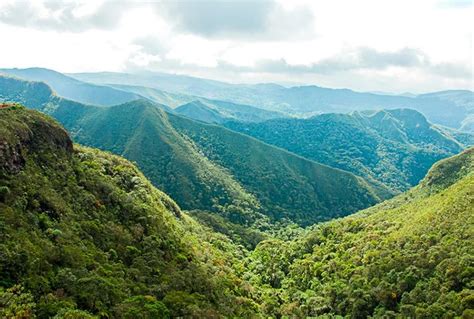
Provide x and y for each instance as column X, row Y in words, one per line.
column 449, row 108
column 207, row 167
column 85, row 235
column 395, row 147
column 247, row 102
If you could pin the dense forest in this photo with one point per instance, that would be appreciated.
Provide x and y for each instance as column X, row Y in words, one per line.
column 85, row 235
column 207, row 167
column 393, row 147
column 409, row 257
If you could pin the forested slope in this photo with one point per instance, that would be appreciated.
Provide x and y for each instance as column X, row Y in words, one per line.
column 216, row 170
column 393, row 147
column 84, row 234
column 409, row 257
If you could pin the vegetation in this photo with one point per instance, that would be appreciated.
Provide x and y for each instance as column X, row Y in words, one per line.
column 409, row 257
column 205, row 167
column 392, row 147
column 447, row 108
column 83, row 235
column 203, row 109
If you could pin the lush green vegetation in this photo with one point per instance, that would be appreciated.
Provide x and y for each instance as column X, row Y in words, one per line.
column 205, row 167
column 409, row 257
column 84, row 234
column 392, row 147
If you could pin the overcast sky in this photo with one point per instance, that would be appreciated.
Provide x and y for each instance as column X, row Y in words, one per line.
column 378, row 45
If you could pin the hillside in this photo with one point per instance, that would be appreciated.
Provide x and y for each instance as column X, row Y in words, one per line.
column 85, row 235
column 409, row 257
column 73, row 89
column 225, row 110
column 298, row 100
column 208, row 167
column 393, row 147
column 196, row 110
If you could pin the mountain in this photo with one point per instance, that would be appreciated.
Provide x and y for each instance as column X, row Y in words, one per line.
column 73, row 89
column 467, row 124
column 199, row 111
column 85, row 235
column 196, row 105
column 393, row 147
column 298, row 100
column 462, row 98
column 409, row 257
column 108, row 95
column 207, row 167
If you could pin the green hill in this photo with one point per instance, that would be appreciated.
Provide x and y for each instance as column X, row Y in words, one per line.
column 393, row 147
column 196, row 110
column 73, row 89
column 84, row 235
column 207, row 167
column 447, row 108
column 409, row 257
column 194, row 106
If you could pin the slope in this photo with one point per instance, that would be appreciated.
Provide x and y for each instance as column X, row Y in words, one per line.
column 298, row 100
column 231, row 174
column 394, row 147
column 73, row 89
column 226, row 110
column 85, row 235
column 409, row 257
column 196, row 110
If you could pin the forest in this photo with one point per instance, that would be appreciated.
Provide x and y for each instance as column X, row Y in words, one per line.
column 86, row 235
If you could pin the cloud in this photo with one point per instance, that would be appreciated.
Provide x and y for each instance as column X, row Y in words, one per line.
column 348, row 63
column 151, row 45
column 262, row 19
column 366, row 59
column 455, row 4
column 62, row 16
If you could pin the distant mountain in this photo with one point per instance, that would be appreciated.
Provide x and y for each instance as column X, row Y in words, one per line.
column 409, row 257
column 197, row 105
column 207, row 167
column 467, row 124
column 394, row 147
column 462, row 98
column 85, row 235
column 199, row 111
column 299, row 100
column 73, row 89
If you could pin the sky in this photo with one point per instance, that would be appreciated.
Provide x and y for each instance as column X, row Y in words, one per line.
column 380, row 45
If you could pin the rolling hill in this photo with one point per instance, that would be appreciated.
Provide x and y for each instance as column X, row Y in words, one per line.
column 85, row 235
column 409, row 257
column 108, row 95
column 73, row 89
column 394, row 147
column 207, row 167
column 445, row 109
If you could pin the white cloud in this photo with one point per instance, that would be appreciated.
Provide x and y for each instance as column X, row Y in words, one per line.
column 366, row 44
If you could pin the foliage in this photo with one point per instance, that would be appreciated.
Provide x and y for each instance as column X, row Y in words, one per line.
column 86, row 234
column 207, row 167
column 16, row 303
column 394, row 148
column 409, row 257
